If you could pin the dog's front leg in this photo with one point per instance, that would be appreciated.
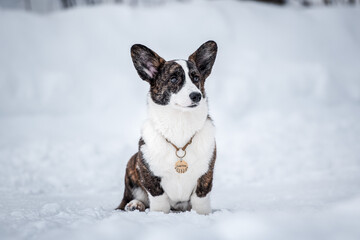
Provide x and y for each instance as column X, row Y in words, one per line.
column 201, row 204
column 200, row 199
column 158, row 199
column 159, row 203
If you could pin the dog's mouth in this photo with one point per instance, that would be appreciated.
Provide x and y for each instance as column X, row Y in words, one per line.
column 190, row 106
column 193, row 105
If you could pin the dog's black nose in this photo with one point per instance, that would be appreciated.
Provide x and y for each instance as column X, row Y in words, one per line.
column 195, row 97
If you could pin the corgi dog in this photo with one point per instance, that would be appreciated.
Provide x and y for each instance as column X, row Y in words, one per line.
column 173, row 168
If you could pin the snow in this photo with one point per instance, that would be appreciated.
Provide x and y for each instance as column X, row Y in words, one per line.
column 284, row 94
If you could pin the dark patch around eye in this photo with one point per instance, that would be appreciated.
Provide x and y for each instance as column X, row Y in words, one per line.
column 162, row 88
column 193, row 71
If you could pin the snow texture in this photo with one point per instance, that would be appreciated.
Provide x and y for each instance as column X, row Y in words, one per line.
column 284, row 94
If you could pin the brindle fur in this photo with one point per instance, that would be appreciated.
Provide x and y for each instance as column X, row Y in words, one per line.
column 204, row 184
column 202, row 61
column 148, row 180
column 138, row 175
column 161, row 89
column 132, row 181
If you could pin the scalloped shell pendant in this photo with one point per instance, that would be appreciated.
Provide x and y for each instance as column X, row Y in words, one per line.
column 181, row 166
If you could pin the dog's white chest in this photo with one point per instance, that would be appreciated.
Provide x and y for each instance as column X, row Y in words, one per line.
column 161, row 157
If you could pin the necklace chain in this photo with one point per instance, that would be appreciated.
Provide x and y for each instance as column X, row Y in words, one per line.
column 183, row 148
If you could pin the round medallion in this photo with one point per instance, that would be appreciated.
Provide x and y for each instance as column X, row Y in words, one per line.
column 181, row 166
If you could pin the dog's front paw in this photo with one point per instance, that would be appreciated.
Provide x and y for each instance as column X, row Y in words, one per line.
column 160, row 207
column 135, row 205
column 202, row 210
column 201, row 204
column 160, row 204
column 164, row 208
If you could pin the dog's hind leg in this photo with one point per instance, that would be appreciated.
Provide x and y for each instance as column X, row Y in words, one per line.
column 135, row 205
column 135, row 198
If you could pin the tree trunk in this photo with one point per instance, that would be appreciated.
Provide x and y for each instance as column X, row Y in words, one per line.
column 68, row 3
column 28, row 5
column 278, row 2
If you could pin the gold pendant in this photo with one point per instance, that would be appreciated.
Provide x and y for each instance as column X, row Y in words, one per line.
column 181, row 166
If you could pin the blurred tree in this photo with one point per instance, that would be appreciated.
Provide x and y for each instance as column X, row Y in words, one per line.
column 93, row 2
column 68, row 3
column 43, row 6
column 306, row 3
column 278, row 2
column 28, row 5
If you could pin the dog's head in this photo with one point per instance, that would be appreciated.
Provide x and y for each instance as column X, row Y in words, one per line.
column 176, row 83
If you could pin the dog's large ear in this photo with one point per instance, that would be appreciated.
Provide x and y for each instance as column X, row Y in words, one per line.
column 204, row 58
column 146, row 62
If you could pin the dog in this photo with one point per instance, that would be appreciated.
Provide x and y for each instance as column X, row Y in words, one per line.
column 173, row 168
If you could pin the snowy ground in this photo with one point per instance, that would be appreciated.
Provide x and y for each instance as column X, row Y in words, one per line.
column 284, row 94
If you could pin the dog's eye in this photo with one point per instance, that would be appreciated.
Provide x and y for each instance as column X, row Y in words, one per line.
column 173, row 79
column 196, row 78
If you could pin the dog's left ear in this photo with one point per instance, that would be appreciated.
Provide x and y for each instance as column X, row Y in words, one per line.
column 204, row 58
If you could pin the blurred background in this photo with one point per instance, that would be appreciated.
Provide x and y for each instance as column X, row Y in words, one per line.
column 52, row 5
column 284, row 94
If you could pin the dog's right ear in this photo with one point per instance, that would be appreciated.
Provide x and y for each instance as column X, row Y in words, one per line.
column 146, row 62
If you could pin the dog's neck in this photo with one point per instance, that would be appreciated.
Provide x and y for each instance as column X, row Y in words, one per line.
column 175, row 124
